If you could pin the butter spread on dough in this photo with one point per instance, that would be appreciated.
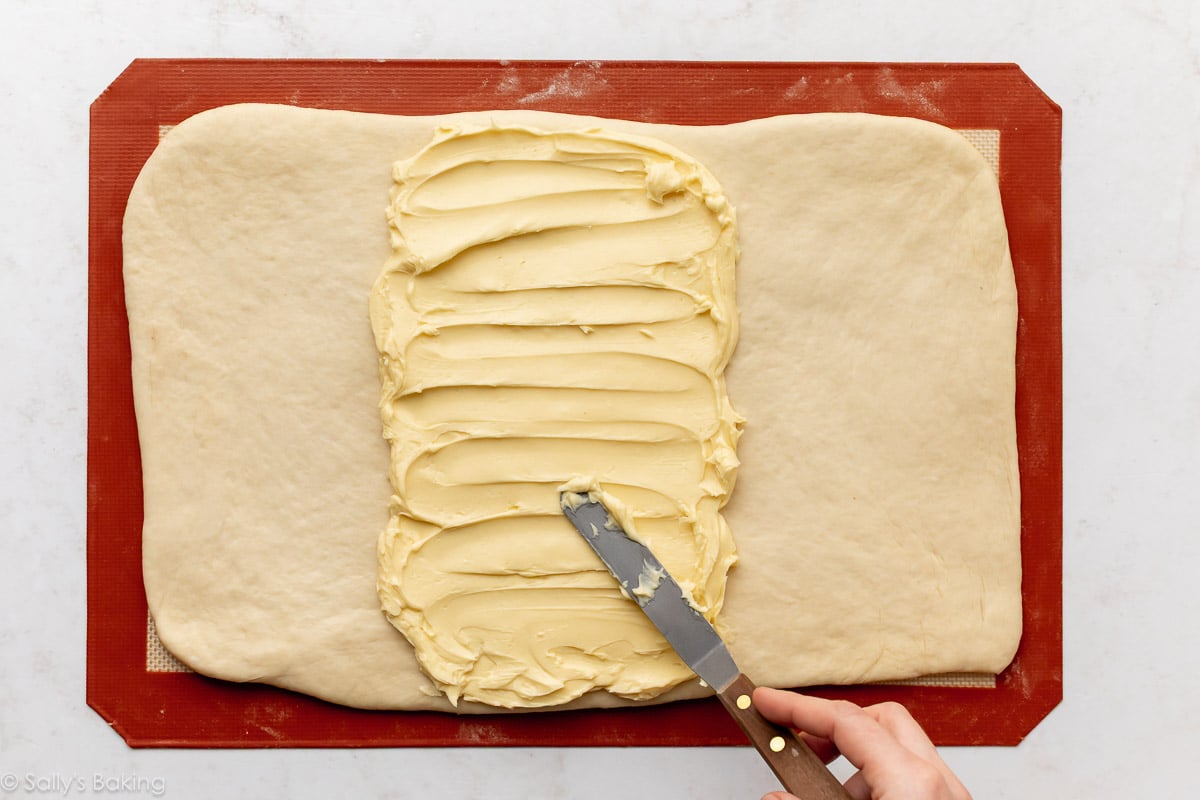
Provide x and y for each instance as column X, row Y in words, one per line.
column 557, row 304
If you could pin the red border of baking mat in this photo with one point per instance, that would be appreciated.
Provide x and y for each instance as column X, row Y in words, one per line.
column 188, row 710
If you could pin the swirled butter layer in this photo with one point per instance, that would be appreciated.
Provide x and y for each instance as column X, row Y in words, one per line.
column 557, row 304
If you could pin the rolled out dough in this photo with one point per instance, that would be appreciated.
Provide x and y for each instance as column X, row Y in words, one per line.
column 876, row 512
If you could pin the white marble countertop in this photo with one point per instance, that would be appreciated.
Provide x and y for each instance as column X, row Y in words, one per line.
column 1128, row 78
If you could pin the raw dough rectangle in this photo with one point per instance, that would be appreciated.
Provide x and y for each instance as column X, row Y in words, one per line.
column 249, row 238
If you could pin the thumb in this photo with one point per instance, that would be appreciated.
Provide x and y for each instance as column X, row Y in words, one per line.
column 779, row 796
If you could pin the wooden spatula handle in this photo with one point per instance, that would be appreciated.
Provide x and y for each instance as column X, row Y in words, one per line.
column 792, row 761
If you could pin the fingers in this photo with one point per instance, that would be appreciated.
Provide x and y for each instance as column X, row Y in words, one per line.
column 779, row 710
column 823, row 748
column 894, row 756
column 896, row 719
column 857, row 787
column 855, row 733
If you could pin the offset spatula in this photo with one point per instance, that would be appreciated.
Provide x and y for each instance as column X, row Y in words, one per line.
column 652, row 587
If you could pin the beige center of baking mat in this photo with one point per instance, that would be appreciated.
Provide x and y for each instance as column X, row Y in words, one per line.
column 987, row 142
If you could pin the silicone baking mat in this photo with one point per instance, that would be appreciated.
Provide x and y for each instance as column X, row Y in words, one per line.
column 150, row 702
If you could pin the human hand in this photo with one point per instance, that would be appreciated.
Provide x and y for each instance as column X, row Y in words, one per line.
column 895, row 759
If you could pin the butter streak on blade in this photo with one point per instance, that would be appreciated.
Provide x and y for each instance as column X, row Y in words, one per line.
column 667, row 604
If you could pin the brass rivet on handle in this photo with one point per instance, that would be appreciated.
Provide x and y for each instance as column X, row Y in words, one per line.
column 743, row 701
column 777, row 744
